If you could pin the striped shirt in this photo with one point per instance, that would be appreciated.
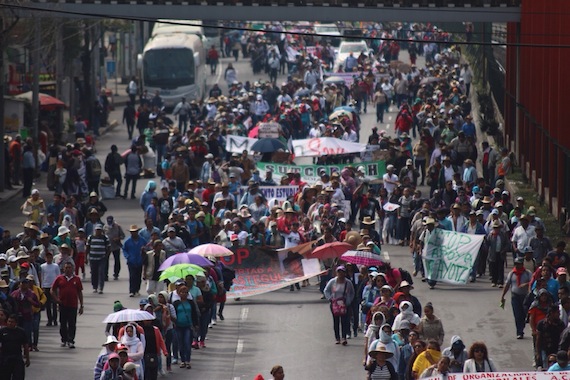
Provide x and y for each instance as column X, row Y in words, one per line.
column 98, row 246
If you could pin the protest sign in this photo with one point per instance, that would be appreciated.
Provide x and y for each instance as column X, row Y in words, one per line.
column 268, row 130
column 237, row 144
column 323, row 146
column 449, row 256
column 261, row 271
column 281, row 193
column 311, row 173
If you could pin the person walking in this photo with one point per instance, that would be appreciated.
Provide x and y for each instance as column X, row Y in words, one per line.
column 129, row 118
column 132, row 249
column 28, row 170
column 67, row 291
column 133, row 166
column 182, row 112
column 213, row 59
column 115, row 234
column 517, row 281
column 12, row 343
column 133, row 90
column 113, row 163
column 340, row 292
column 49, row 272
column 98, row 249
column 151, row 261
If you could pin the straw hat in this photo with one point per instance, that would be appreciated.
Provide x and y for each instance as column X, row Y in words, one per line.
column 380, row 348
column 368, row 220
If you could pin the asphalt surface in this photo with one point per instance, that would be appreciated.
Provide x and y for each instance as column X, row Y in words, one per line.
column 293, row 329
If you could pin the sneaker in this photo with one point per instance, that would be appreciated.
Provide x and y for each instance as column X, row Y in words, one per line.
column 72, row 345
column 94, row 290
column 214, row 323
column 521, row 336
column 35, row 348
column 500, row 286
column 209, row 325
column 55, row 323
column 115, row 278
column 202, row 344
column 493, row 285
column 131, row 295
column 174, row 361
column 221, row 316
column 100, row 291
column 195, row 345
column 63, row 344
column 48, row 324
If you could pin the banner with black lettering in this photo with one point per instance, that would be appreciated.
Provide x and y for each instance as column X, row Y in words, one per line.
column 311, row 173
column 449, row 256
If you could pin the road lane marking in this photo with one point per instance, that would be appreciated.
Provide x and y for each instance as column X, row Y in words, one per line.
column 219, row 69
column 239, row 348
column 244, row 313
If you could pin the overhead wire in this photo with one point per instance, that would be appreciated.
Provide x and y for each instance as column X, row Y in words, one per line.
column 288, row 32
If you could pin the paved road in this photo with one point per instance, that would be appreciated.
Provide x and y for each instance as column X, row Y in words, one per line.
column 292, row 329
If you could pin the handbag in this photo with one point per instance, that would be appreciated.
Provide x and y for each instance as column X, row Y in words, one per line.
column 339, row 304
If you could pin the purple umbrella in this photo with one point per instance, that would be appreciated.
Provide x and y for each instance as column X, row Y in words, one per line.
column 185, row 258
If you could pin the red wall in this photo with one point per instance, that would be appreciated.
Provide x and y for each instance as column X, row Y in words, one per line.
column 542, row 133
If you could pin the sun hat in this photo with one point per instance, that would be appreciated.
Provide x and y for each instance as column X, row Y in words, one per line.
column 110, row 339
column 380, row 348
column 62, row 231
column 129, row 366
column 133, row 228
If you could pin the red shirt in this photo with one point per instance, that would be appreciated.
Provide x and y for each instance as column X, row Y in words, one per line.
column 69, row 289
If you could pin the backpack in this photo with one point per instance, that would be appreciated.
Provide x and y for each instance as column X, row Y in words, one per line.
column 95, row 166
column 228, row 275
column 165, row 208
column 406, row 276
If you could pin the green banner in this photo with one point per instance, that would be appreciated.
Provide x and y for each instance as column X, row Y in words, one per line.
column 310, row 173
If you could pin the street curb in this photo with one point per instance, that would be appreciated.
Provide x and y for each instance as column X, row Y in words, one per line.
column 9, row 196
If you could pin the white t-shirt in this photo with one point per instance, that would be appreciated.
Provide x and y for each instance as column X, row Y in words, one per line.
column 49, row 273
column 390, row 186
column 292, row 239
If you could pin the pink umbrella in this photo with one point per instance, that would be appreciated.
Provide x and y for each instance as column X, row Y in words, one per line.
column 362, row 258
column 330, row 250
column 214, row 250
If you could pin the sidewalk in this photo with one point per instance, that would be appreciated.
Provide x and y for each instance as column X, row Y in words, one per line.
column 8, row 195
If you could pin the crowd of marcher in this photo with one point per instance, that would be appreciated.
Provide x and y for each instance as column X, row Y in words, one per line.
column 206, row 194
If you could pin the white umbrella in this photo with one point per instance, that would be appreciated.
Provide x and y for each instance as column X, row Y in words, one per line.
column 128, row 315
column 214, row 250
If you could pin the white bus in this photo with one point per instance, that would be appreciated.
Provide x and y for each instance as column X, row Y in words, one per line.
column 174, row 64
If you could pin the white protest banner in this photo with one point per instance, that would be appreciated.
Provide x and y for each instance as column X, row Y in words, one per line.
column 449, row 256
column 281, row 193
column 323, row 146
column 349, row 77
column 563, row 375
column 237, row 144
column 268, row 130
column 310, row 173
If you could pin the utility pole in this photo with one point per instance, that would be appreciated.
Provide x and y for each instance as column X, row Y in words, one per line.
column 59, row 69
column 33, row 129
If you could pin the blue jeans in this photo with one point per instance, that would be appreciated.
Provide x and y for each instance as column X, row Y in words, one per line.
column 184, row 342
column 27, row 326
column 418, row 263
column 205, row 320
column 35, row 328
column 518, row 312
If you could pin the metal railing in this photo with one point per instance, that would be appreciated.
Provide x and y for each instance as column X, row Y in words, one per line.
column 332, row 3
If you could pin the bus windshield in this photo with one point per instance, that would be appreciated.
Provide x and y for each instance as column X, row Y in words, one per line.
column 168, row 68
